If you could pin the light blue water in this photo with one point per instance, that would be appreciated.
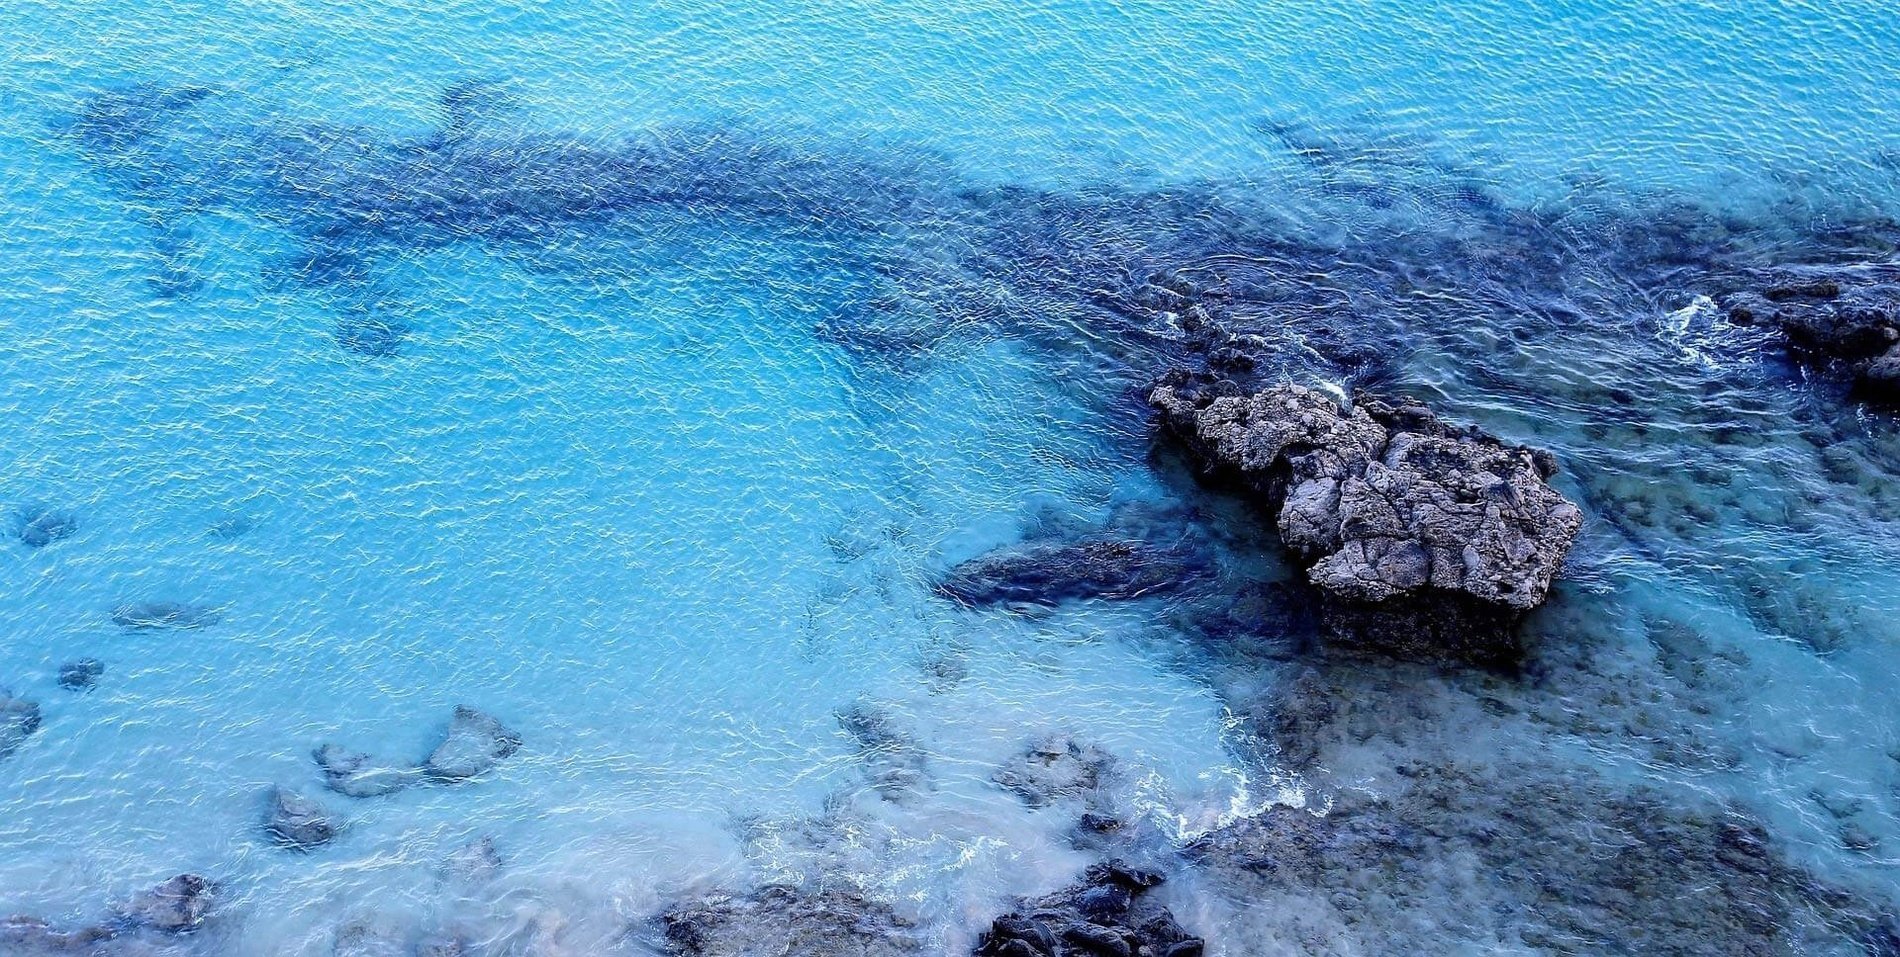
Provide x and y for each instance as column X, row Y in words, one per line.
column 619, row 486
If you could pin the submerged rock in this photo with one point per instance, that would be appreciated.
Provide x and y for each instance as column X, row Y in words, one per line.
column 476, row 742
column 1105, row 914
column 1054, row 572
column 81, row 675
column 358, row 775
column 19, row 718
column 896, row 764
column 177, row 906
column 40, row 525
column 787, row 921
column 1054, row 768
column 297, row 822
column 1837, row 320
column 152, row 615
column 1426, row 540
column 473, row 862
column 32, row 937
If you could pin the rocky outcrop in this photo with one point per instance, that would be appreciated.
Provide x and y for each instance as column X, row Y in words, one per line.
column 476, row 742
column 1106, row 915
column 787, row 921
column 19, row 718
column 297, row 822
column 1048, row 573
column 1056, row 768
column 1425, row 539
column 1836, row 321
column 358, row 775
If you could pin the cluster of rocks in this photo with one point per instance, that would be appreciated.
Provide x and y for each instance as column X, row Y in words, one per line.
column 1421, row 538
column 789, row 921
column 1107, row 914
column 476, row 741
column 1838, row 319
column 176, row 907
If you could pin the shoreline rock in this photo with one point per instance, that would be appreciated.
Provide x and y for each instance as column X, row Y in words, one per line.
column 1105, row 914
column 1836, row 320
column 1423, row 539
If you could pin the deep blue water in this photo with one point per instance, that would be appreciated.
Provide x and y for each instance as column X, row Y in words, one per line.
column 632, row 375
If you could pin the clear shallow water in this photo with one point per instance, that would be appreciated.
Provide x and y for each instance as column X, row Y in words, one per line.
column 620, row 486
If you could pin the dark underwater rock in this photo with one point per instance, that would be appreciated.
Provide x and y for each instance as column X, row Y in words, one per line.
column 176, row 906
column 1105, row 915
column 358, row 775
column 297, row 822
column 19, row 718
column 1054, row 768
column 894, row 761
column 32, row 937
column 1426, row 540
column 41, row 525
column 787, row 921
column 81, row 675
column 1842, row 320
column 153, row 615
column 476, row 742
column 1565, row 863
column 1054, row 572
column 473, row 862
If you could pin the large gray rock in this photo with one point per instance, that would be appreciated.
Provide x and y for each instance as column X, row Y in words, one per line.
column 297, row 822
column 19, row 718
column 358, row 775
column 1427, row 539
column 476, row 742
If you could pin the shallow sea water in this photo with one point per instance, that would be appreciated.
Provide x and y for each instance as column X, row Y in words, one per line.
column 622, row 484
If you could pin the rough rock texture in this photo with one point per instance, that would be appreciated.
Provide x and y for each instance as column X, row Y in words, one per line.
column 32, row 937
column 19, row 718
column 81, row 675
column 174, row 907
column 1426, row 539
column 786, row 921
column 150, row 615
column 1835, row 321
column 40, row 526
column 1054, row 572
column 1106, row 915
column 358, row 775
column 297, row 822
column 476, row 742
column 1055, row 768
column 1520, row 860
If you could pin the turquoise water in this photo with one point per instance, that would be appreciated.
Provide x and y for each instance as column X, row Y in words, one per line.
column 729, row 326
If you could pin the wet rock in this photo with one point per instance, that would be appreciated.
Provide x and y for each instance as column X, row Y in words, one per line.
column 177, row 906
column 1566, row 863
column 1105, row 914
column 371, row 938
column 442, row 945
column 1050, row 573
column 1054, row 768
column 1425, row 540
column 787, row 921
column 1841, row 320
column 472, row 862
column 81, row 675
column 358, row 775
column 476, row 742
column 19, row 718
column 40, row 525
column 297, row 822
column 154, row 615
column 32, row 937
column 892, row 757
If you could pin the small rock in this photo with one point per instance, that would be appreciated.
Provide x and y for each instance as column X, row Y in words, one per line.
column 81, row 675
column 476, row 742
column 41, row 526
column 19, row 718
column 355, row 774
column 177, row 906
column 297, row 822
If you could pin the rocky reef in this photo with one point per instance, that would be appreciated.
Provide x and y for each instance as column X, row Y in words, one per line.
column 1425, row 539
column 791, row 922
column 1107, row 914
column 1049, row 573
column 1843, row 321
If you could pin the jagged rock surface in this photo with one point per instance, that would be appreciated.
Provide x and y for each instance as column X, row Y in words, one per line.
column 1427, row 539
column 1105, row 914
column 1843, row 319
